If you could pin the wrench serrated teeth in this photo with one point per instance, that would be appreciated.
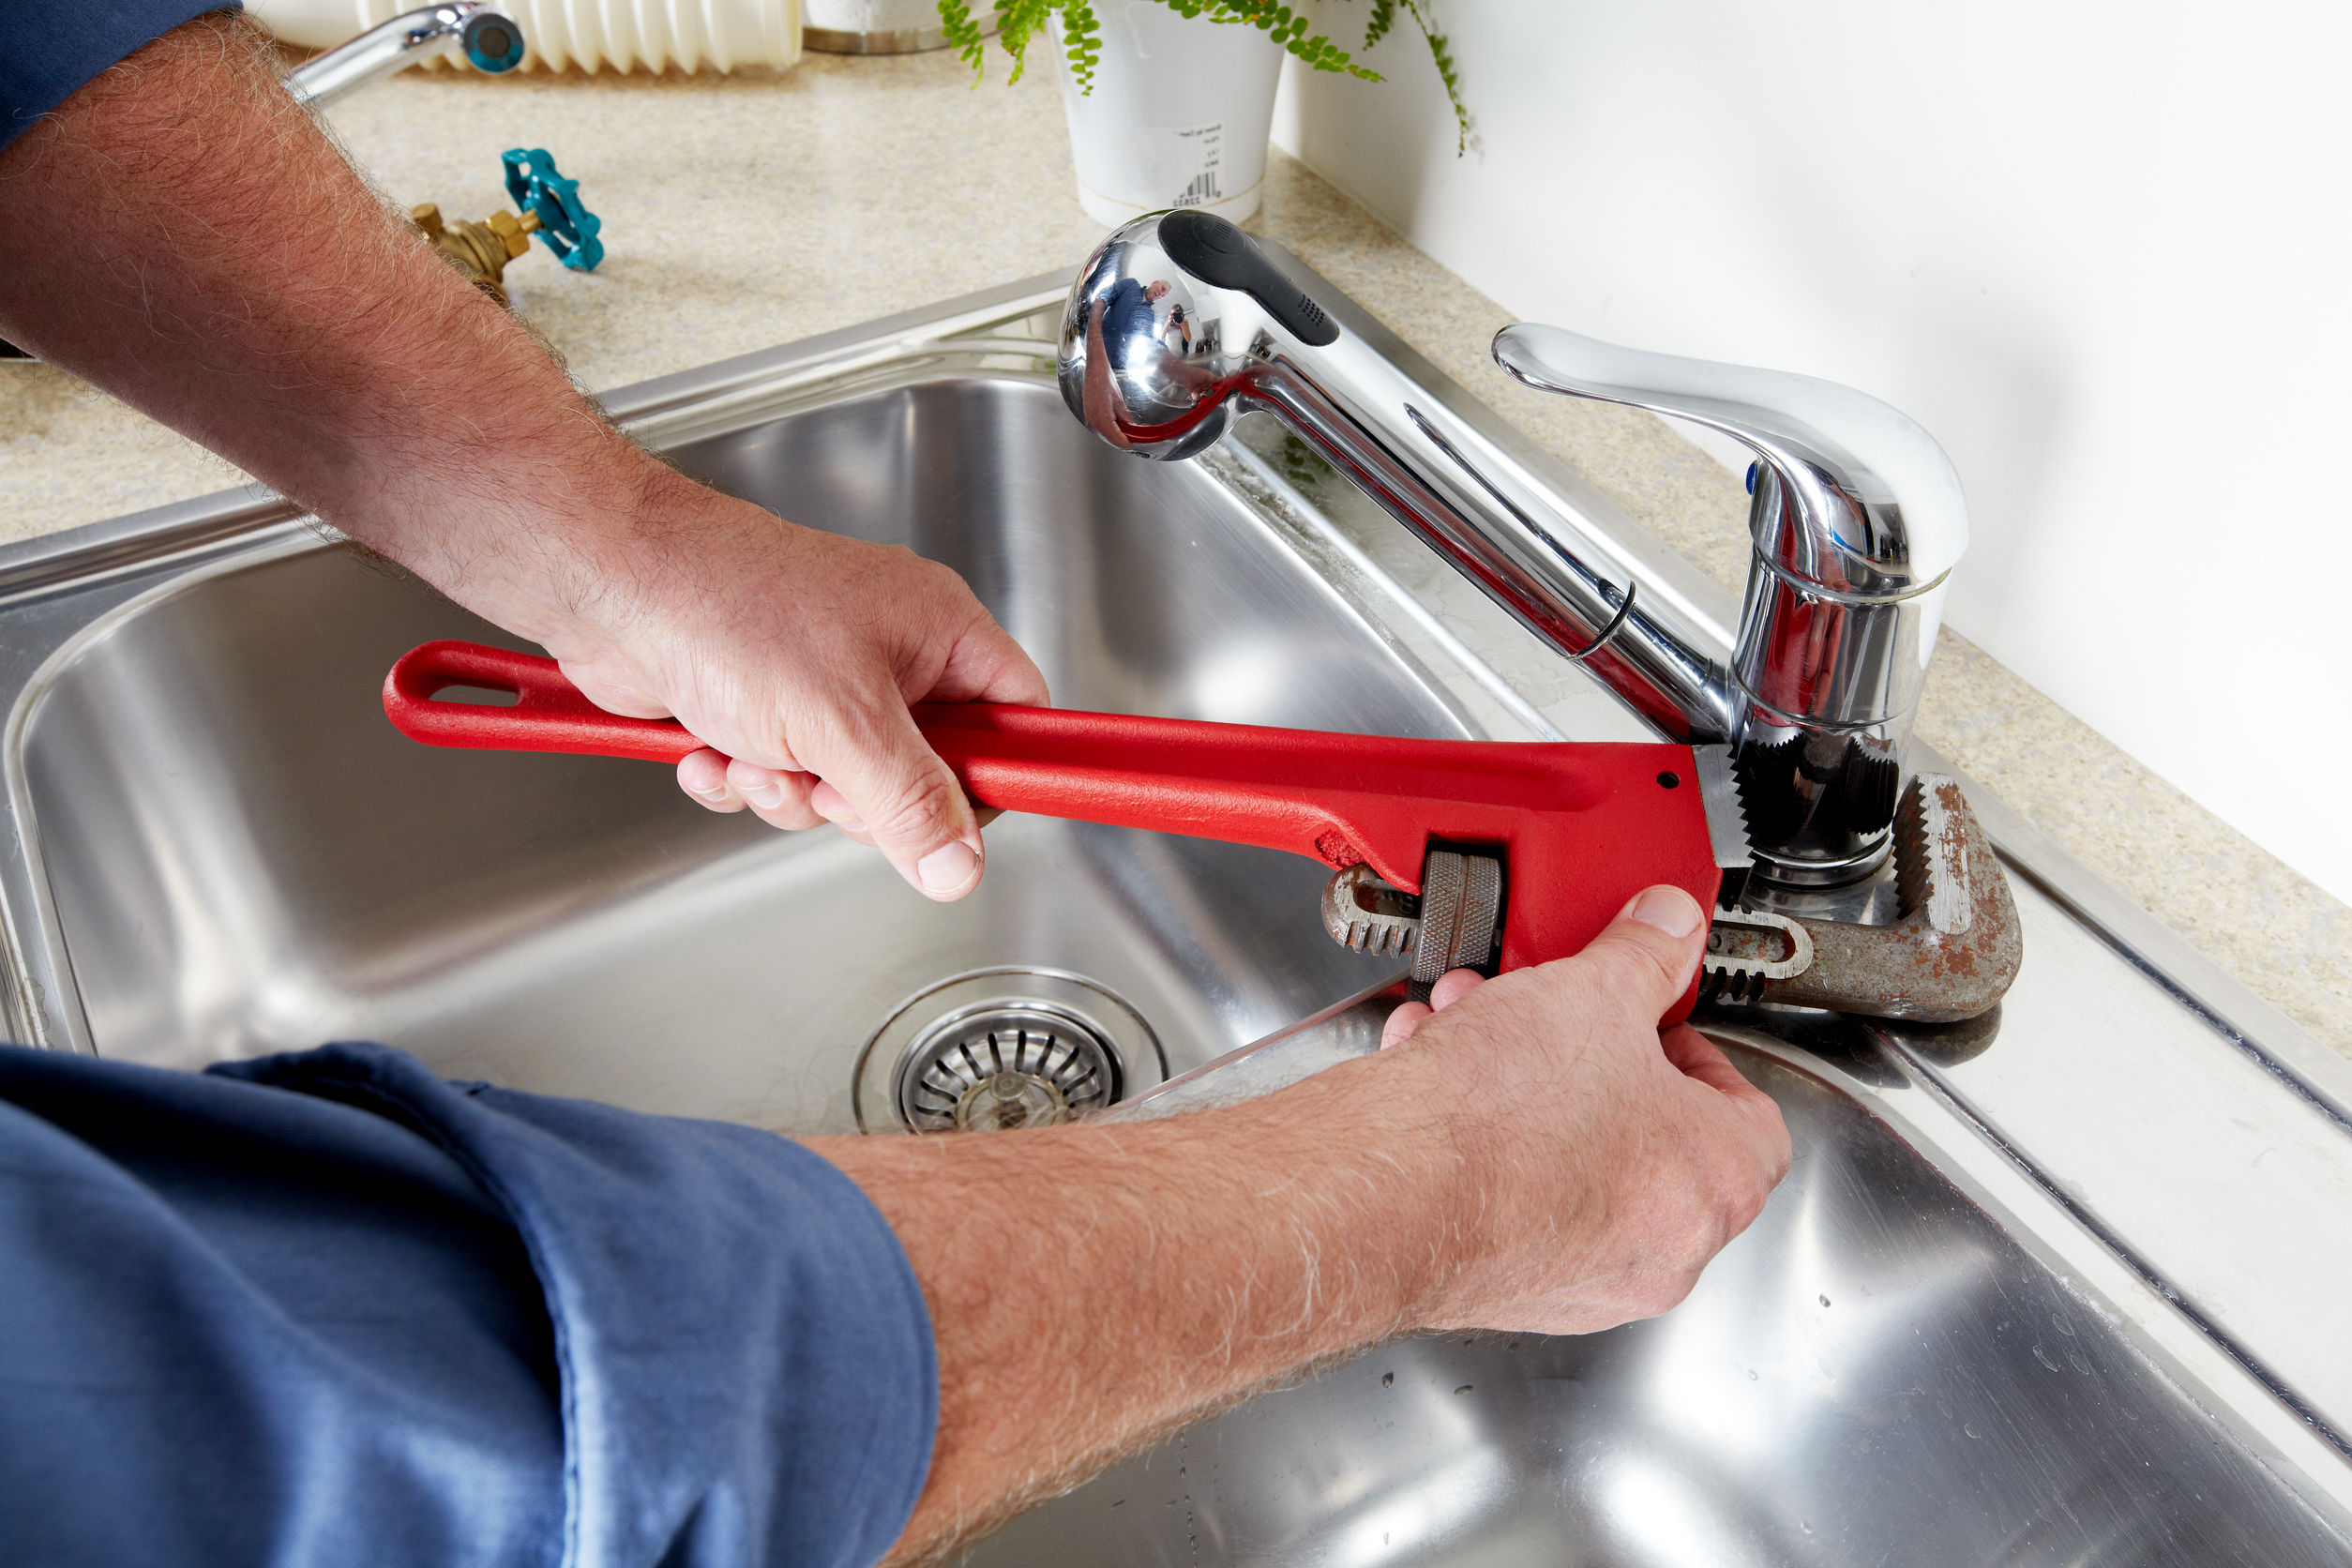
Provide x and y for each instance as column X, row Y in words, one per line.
column 1931, row 859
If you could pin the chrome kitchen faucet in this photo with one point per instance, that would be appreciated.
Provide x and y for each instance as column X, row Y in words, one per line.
column 1180, row 320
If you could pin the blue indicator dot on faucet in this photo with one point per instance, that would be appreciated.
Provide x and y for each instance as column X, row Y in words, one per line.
column 1752, row 468
column 492, row 43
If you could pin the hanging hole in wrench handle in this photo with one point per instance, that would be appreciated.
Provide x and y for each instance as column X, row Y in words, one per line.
column 549, row 713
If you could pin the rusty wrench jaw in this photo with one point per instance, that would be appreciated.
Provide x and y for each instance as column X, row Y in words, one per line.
column 1952, row 952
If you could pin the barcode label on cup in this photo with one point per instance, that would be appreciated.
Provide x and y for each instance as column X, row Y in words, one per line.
column 1200, row 151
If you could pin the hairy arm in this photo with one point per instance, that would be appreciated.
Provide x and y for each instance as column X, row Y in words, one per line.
column 1533, row 1156
column 1176, row 1265
column 184, row 235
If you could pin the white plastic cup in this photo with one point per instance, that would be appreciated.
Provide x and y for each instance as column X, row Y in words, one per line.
column 618, row 35
column 1179, row 116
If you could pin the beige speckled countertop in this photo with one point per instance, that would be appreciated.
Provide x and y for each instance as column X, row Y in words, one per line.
column 747, row 211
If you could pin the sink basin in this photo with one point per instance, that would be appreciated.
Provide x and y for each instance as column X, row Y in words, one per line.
column 245, row 857
column 2040, row 1289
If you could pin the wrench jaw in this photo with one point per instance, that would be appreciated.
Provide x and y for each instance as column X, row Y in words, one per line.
column 1727, row 822
column 1952, row 952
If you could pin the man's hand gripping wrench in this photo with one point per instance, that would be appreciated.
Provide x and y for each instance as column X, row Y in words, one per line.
column 1475, row 854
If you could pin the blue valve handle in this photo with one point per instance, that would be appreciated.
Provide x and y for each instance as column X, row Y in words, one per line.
column 569, row 228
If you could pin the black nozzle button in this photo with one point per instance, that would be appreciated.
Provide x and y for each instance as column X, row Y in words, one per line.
column 1219, row 254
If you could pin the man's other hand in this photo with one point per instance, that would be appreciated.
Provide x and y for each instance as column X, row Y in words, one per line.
column 1613, row 1159
column 1533, row 1154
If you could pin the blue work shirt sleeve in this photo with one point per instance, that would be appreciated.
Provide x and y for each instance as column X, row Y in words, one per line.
column 326, row 1307
column 54, row 46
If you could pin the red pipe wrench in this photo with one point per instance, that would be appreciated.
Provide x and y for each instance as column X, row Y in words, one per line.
column 1542, row 842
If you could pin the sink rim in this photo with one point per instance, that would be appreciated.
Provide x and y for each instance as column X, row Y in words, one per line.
column 1940, row 1128
column 60, row 592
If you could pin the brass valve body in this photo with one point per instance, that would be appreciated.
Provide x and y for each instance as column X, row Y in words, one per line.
column 481, row 251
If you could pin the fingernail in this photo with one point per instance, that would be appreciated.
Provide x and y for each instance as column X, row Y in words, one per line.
column 948, row 868
column 766, row 797
column 714, row 793
column 1669, row 908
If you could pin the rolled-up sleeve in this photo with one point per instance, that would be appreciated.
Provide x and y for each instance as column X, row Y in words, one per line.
column 50, row 48
column 326, row 1307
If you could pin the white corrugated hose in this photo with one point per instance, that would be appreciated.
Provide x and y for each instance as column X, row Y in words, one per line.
column 618, row 35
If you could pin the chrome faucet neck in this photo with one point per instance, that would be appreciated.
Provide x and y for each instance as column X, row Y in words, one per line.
column 490, row 42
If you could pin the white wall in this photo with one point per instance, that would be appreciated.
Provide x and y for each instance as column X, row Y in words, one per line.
column 2101, row 251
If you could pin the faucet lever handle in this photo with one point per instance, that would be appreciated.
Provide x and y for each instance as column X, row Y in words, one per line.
column 1879, row 506
column 1856, row 523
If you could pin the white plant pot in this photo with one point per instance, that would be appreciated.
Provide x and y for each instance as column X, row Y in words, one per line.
column 1179, row 116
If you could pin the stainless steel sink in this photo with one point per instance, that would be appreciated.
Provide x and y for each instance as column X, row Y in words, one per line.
column 2061, row 1287
column 245, row 857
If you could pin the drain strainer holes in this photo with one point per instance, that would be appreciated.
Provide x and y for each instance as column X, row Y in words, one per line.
column 1000, row 1049
column 1005, row 1066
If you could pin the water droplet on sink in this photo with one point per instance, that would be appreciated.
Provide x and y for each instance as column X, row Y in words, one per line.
column 1464, row 1388
column 1825, row 1301
column 1388, row 1379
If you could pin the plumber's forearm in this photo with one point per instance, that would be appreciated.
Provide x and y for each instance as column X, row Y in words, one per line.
column 182, row 235
column 1093, row 1286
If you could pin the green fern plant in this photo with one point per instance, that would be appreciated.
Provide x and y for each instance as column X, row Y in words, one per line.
column 1019, row 20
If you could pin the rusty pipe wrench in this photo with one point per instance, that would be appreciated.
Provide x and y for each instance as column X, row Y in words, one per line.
column 1478, row 854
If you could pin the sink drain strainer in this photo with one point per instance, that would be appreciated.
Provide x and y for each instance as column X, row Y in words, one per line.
column 1003, row 1047
column 1005, row 1066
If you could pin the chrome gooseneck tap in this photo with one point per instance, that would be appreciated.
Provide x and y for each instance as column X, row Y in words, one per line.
column 490, row 42
column 1180, row 320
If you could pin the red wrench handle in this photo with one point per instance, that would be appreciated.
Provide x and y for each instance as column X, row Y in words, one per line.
column 549, row 713
column 1581, row 827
